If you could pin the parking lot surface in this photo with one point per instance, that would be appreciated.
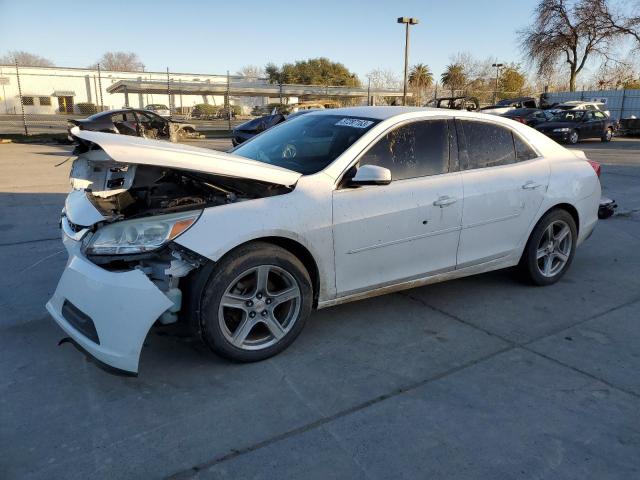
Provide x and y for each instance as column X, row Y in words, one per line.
column 482, row 377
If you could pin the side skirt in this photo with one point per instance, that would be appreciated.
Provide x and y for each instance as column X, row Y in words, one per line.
column 489, row 266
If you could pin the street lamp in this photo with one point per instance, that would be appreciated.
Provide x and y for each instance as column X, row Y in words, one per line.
column 407, row 21
column 498, row 66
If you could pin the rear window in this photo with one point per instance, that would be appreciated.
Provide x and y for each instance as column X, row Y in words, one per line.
column 487, row 145
column 308, row 143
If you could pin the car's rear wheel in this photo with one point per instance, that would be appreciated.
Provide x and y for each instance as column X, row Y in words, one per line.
column 608, row 135
column 255, row 303
column 573, row 137
column 550, row 249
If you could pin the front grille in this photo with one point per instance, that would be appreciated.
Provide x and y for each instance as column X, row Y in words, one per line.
column 73, row 226
column 80, row 321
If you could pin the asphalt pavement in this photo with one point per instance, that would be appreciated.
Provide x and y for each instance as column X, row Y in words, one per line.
column 482, row 377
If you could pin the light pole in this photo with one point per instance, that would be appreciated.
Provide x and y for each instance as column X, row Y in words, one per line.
column 407, row 21
column 498, row 67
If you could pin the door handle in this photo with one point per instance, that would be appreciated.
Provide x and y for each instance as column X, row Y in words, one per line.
column 444, row 201
column 531, row 185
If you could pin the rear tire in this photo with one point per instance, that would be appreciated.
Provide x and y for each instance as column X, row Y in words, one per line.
column 256, row 302
column 608, row 135
column 550, row 248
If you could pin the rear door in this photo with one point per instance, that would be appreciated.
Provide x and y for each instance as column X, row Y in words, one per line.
column 384, row 234
column 504, row 183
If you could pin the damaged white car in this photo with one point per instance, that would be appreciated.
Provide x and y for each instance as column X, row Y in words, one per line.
column 333, row 206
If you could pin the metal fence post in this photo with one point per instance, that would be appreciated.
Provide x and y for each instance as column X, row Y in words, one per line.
column 624, row 94
column 100, row 87
column 228, row 100
column 24, row 118
column 169, row 93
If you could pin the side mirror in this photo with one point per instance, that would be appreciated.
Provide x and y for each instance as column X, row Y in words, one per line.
column 371, row 175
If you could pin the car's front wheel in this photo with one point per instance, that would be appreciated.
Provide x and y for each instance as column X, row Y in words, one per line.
column 573, row 137
column 550, row 248
column 255, row 303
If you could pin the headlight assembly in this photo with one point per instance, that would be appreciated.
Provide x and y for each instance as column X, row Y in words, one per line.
column 563, row 129
column 140, row 235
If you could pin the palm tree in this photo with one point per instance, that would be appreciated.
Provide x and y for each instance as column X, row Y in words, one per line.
column 420, row 78
column 454, row 77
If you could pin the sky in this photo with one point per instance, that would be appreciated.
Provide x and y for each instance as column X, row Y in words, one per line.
column 216, row 36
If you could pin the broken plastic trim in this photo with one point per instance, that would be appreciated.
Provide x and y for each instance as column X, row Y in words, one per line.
column 101, row 365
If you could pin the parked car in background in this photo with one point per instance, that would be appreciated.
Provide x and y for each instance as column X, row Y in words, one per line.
column 250, row 129
column 470, row 104
column 332, row 207
column 507, row 104
column 580, row 105
column 135, row 122
column 571, row 126
column 159, row 109
column 528, row 116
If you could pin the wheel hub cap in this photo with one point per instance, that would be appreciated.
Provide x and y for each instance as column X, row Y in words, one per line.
column 259, row 307
column 554, row 248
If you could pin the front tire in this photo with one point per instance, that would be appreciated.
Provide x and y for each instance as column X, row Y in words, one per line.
column 255, row 303
column 573, row 137
column 608, row 135
column 550, row 248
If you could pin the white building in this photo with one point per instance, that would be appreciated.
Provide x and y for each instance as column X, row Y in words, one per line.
column 50, row 90
column 59, row 90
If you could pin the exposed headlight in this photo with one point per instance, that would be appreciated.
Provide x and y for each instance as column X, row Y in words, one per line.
column 563, row 129
column 140, row 235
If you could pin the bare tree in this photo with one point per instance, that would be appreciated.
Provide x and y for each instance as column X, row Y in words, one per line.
column 25, row 59
column 566, row 31
column 120, row 62
column 252, row 72
column 616, row 20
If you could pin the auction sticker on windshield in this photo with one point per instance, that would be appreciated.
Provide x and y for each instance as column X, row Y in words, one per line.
column 354, row 122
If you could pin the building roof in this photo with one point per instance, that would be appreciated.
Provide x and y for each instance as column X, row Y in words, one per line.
column 247, row 89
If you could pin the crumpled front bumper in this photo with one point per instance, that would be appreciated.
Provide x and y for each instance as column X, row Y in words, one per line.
column 122, row 306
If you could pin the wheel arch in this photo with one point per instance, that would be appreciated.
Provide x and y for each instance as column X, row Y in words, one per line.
column 573, row 211
column 302, row 253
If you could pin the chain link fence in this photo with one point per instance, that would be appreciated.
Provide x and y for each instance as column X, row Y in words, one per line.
column 42, row 100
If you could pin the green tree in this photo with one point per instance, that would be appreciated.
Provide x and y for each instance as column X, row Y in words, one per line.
column 314, row 71
column 454, row 77
column 420, row 78
column 511, row 81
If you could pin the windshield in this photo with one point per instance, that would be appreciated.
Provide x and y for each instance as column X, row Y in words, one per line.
column 308, row 143
column 569, row 116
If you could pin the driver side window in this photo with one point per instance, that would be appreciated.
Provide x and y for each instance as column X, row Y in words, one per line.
column 413, row 150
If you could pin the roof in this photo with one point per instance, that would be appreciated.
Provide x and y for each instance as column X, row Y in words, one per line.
column 379, row 113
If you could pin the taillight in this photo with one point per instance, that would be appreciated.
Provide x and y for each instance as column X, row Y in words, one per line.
column 596, row 167
column 520, row 119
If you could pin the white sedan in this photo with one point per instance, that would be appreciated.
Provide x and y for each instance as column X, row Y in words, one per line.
column 333, row 206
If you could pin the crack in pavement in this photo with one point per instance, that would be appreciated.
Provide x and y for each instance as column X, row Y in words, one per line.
column 23, row 242
column 511, row 345
column 189, row 473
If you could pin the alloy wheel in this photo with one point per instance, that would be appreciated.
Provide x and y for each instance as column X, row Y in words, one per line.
column 554, row 248
column 573, row 137
column 260, row 306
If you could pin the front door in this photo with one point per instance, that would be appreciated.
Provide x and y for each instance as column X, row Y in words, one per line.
column 388, row 233
column 504, row 184
column 65, row 104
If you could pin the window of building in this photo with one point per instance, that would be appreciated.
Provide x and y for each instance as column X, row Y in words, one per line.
column 27, row 100
column 416, row 149
column 45, row 101
column 487, row 145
